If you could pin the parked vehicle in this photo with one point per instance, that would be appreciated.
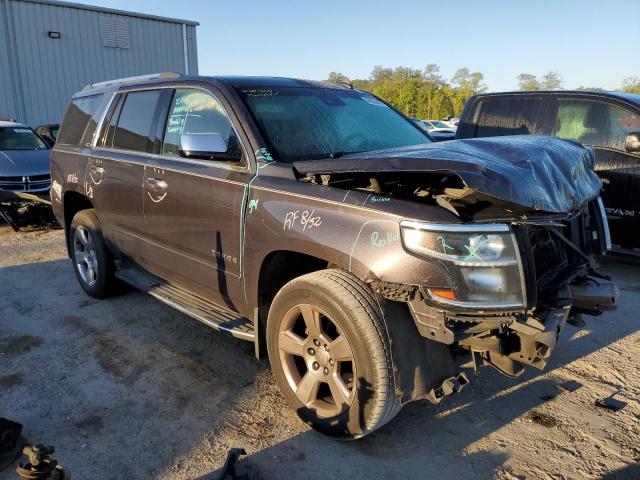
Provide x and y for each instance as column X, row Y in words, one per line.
column 49, row 133
column 435, row 135
column 438, row 126
column 24, row 163
column 608, row 122
column 439, row 130
column 321, row 224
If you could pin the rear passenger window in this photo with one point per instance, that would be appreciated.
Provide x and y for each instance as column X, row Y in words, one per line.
column 133, row 122
column 509, row 116
column 595, row 123
column 76, row 119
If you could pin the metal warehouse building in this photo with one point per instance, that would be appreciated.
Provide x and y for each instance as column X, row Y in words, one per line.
column 51, row 49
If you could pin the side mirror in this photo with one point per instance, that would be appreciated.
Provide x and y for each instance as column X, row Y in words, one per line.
column 632, row 142
column 206, row 146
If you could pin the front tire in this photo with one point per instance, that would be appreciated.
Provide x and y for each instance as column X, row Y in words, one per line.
column 330, row 354
column 91, row 259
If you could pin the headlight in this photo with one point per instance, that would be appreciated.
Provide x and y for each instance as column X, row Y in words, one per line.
column 483, row 261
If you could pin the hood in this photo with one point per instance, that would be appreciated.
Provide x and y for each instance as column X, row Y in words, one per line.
column 539, row 173
column 24, row 162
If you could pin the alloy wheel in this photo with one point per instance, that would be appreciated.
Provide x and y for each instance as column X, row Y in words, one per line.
column 85, row 256
column 317, row 360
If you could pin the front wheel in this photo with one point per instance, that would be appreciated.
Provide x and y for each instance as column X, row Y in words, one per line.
column 330, row 354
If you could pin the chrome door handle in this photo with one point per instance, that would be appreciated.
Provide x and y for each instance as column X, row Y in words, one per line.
column 156, row 185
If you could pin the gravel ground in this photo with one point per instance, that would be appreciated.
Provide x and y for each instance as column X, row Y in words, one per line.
column 129, row 388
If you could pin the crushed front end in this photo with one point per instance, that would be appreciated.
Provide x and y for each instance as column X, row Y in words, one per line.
column 514, row 286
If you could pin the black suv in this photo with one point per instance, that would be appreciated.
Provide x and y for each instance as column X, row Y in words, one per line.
column 609, row 122
column 317, row 221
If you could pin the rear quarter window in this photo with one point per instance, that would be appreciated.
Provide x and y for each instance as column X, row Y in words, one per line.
column 77, row 118
column 509, row 116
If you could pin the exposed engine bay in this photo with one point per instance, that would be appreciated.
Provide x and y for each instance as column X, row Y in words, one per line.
column 545, row 196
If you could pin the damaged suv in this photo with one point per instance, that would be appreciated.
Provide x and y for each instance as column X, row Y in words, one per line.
column 316, row 221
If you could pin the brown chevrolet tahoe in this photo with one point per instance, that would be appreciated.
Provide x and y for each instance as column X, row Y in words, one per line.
column 372, row 265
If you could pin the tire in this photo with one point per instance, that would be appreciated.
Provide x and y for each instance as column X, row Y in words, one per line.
column 339, row 307
column 85, row 233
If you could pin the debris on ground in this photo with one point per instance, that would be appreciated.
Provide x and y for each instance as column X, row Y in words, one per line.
column 568, row 386
column 610, row 403
column 41, row 465
column 10, row 442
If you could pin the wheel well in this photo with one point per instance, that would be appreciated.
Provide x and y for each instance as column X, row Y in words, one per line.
column 73, row 203
column 277, row 269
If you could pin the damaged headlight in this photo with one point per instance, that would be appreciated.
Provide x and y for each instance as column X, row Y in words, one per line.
column 483, row 261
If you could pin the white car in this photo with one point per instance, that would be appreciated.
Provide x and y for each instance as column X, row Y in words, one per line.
column 438, row 126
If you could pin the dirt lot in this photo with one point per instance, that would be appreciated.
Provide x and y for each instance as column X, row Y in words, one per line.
column 129, row 388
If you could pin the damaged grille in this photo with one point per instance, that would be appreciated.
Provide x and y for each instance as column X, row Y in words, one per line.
column 30, row 183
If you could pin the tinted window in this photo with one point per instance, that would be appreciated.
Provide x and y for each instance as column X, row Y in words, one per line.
column 595, row 123
column 135, row 121
column 20, row 138
column 307, row 123
column 195, row 111
column 76, row 119
column 509, row 116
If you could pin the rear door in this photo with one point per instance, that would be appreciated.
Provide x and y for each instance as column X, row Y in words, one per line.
column 193, row 208
column 603, row 123
column 116, row 170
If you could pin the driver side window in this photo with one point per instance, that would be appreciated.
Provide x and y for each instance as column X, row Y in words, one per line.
column 192, row 112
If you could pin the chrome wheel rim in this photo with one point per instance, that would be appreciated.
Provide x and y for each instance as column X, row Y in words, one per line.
column 84, row 253
column 317, row 360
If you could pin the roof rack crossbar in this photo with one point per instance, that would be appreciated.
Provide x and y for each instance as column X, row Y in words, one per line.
column 151, row 76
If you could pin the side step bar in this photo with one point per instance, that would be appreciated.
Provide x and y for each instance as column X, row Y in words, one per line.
column 186, row 302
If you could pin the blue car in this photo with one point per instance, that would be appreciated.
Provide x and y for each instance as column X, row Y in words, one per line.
column 25, row 172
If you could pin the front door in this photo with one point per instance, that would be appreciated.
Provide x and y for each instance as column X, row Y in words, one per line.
column 603, row 125
column 192, row 207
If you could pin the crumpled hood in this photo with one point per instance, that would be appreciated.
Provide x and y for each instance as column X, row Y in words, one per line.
column 24, row 162
column 541, row 173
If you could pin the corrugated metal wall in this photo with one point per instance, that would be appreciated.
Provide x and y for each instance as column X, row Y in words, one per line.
column 39, row 74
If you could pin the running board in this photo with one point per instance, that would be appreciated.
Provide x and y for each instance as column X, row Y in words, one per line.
column 186, row 302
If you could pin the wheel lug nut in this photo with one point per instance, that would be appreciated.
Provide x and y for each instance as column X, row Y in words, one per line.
column 326, row 371
column 316, row 342
column 315, row 365
column 331, row 362
column 311, row 351
column 326, row 347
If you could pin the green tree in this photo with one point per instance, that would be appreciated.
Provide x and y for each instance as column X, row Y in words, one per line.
column 552, row 81
column 528, row 82
column 631, row 85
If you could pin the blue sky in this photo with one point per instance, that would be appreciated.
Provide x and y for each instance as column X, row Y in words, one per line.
column 590, row 43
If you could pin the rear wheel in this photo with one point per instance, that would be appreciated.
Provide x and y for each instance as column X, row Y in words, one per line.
column 330, row 354
column 91, row 259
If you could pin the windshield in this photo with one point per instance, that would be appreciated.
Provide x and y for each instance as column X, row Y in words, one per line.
column 305, row 123
column 20, row 138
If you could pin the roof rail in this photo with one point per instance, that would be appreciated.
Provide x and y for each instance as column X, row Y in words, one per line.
column 152, row 76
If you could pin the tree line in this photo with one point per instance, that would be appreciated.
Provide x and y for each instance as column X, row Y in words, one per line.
column 427, row 94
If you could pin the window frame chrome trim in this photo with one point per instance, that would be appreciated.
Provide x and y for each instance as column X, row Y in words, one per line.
column 219, row 164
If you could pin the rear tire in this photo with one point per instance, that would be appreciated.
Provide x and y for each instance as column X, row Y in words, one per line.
column 330, row 354
column 92, row 261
